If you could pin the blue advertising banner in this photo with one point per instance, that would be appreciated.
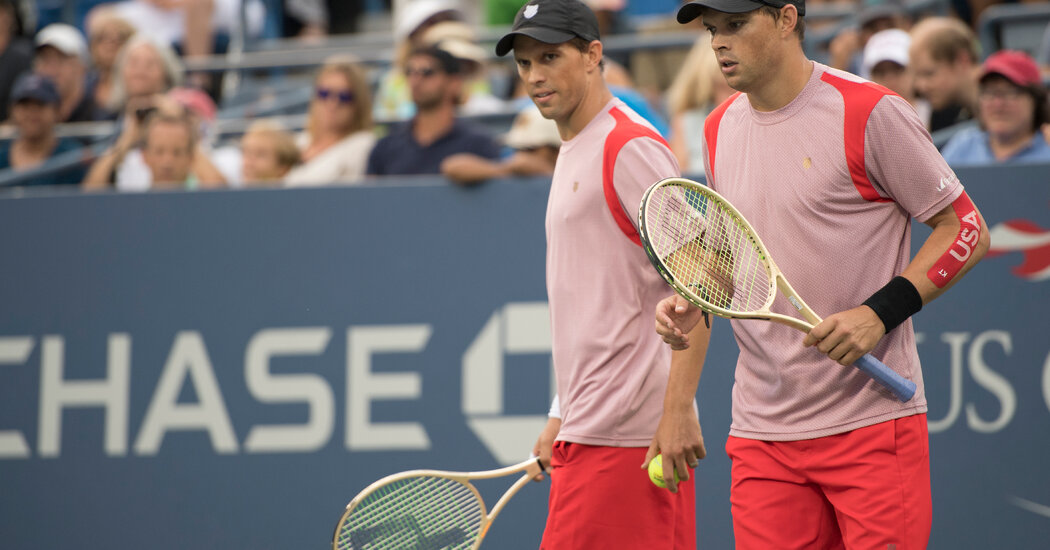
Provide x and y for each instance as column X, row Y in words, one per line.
column 227, row 369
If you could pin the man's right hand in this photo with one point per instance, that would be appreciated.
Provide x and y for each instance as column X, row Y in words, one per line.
column 545, row 444
column 675, row 318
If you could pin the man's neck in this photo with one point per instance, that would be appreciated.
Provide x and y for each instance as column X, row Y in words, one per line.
column 968, row 96
column 780, row 90
column 596, row 98
column 33, row 150
column 71, row 101
column 1006, row 146
column 431, row 124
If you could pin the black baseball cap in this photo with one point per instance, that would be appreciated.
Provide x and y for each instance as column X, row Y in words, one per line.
column 692, row 10
column 551, row 22
column 35, row 87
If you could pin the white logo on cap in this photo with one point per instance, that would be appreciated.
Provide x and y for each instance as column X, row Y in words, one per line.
column 530, row 11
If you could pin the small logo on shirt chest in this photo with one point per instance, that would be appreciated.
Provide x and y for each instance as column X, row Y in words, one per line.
column 575, row 186
column 807, row 163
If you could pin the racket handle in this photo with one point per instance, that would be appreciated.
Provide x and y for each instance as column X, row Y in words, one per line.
column 903, row 388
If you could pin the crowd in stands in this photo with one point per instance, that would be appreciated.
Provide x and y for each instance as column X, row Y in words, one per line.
column 123, row 64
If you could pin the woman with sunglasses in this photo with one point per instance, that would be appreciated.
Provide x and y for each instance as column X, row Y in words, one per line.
column 338, row 135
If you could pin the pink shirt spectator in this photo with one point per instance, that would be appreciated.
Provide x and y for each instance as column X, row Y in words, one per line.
column 611, row 366
column 815, row 211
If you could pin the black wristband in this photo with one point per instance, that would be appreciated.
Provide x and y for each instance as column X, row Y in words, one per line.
column 895, row 302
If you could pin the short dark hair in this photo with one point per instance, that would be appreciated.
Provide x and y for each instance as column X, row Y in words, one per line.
column 582, row 44
column 800, row 26
column 448, row 63
column 1042, row 108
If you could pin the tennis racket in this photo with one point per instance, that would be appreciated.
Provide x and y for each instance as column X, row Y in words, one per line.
column 425, row 510
column 711, row 256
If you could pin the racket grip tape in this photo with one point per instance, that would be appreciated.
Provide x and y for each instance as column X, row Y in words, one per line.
column 901, row 387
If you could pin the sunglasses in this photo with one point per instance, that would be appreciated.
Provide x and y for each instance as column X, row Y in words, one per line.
column 344, row 97
column 425, row 72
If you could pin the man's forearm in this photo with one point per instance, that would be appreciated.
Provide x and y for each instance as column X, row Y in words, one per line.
column 686, row 368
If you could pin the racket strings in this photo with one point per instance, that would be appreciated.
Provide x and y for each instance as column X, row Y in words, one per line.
column 708, row 248
column 416, row 513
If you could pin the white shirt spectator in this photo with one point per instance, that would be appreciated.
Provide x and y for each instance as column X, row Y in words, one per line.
column 344, row 162
column 169, row 26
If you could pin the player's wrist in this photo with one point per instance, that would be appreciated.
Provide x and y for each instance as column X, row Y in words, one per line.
column 895, row 302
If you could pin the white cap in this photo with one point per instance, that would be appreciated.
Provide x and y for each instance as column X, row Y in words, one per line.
column 888, row 45
column 456, row 38
column 64, row 38
column 414, row 12
column 530, row 129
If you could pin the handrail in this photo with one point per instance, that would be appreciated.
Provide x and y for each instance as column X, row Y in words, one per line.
column 994, row 17
column 376, row 48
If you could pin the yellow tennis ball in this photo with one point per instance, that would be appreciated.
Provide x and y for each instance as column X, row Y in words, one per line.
column 656, row 472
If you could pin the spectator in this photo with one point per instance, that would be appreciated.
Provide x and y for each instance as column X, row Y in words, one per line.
column 16, row 53
column 1012, row 108
column 535, row 141
column 886, row 62
column 339, row 133
column 125, row 164
column 698, row 88
column 268, row 153
column 34, row 110
column 203, row 110
column 419, row 145
column 304, row 18
column 171, row 152
column 144, row 69
column 197, row 27
column 943, row 55
column 107, row 34
column 846, row 48
column 134, row 174
column 62, row 56
column 459, row 39
column 393, row 100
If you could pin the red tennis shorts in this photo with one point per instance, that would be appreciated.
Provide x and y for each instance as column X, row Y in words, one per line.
column 864, row 489
column 601, row 498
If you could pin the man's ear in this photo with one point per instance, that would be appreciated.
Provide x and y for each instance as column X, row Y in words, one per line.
column 455, row 87
column 963, row 61
column 788, row 19
column 594, row 53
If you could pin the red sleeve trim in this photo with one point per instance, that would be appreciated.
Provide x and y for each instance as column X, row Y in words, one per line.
column 624, row 131
column 711, row 123
column 859, row 99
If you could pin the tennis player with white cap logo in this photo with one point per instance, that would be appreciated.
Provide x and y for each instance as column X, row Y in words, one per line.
column 624, row 397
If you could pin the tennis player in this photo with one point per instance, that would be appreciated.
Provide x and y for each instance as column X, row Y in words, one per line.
column 617, row 408
column 830, row 169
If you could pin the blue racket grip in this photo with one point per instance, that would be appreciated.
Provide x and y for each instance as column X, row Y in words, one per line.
column 903, row 388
